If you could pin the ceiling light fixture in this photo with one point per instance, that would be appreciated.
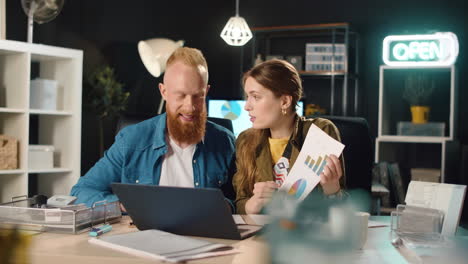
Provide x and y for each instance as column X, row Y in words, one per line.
column 236, row 32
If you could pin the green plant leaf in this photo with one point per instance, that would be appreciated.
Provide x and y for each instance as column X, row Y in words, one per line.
column 103, row 93
column 418, row 88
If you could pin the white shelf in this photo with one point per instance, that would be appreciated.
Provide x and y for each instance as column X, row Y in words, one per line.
column 39, row 51
column 412, row 139
column 264, row 38
column 11, row 172
column 391, row 103
column 321, row 73
column 54, row 170
column 49, row 112
column 12, row 110
column 19, row 62
column 395, row 148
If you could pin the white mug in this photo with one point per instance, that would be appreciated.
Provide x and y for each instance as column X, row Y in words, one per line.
column 361, row 221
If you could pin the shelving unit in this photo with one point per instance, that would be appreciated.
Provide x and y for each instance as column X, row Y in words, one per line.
column 437, row 152
column 19, row 63
column 337, row 91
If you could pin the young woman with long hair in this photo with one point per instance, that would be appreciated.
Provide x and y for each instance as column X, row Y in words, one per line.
column 265, row 152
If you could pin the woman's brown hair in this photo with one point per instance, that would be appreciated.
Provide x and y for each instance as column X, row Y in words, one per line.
column 281, row 78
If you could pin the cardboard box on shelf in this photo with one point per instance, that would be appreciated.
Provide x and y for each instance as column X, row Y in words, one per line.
column 8, row 153
column 425, row 174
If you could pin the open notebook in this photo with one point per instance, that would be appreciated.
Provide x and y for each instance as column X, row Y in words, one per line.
column 160, row 245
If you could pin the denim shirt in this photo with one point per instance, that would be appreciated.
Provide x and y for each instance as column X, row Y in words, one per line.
column 137, row 154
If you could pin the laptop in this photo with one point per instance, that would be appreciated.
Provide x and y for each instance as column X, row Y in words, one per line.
column 184, row 211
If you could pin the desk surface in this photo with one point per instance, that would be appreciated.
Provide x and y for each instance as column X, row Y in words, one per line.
column 53, row 248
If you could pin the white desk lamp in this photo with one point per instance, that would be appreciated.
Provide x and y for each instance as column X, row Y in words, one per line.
column 154, row 54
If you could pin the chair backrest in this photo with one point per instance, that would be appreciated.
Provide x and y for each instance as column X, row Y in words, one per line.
column 227, row 123
column 358, row 152
column 126, row 120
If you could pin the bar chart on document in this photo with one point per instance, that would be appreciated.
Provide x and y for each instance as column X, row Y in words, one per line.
column 316, row 165
column 305, row 174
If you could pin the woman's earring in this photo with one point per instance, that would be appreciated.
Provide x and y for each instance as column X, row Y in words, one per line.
column 283, row 111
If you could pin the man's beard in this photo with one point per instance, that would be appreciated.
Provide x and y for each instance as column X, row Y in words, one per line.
column 187, row 132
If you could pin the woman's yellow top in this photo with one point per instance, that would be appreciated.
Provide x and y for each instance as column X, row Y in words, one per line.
column 277, row 146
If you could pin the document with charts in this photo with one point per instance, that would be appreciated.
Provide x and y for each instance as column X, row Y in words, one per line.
column 305, row 174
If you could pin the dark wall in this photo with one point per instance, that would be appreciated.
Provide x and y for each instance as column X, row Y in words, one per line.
column 374, row 20
column 108, row 31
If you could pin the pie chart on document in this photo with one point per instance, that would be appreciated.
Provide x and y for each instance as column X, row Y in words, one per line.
column 231, row 110
column 297, row 189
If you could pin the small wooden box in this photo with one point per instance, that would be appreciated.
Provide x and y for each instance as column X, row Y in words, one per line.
column 8, row 153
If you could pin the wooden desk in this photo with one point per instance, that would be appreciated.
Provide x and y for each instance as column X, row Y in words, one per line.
column 50, row 248
column 53, row 248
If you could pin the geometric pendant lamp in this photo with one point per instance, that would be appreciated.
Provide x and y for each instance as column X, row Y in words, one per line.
column 236, row 32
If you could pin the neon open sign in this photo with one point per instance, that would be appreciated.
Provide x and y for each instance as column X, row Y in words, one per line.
column 439, row 49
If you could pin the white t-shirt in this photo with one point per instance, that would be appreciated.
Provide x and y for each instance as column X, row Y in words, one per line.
column 177, row 168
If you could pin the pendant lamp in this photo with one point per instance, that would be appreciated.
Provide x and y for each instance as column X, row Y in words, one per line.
column 236, row 32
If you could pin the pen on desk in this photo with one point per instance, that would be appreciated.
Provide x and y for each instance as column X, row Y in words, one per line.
column 100, row 230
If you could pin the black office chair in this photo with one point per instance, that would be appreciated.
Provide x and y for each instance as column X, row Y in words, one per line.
column 358, row 152
column 227, row 123
column 358, row 157
column 126, row 120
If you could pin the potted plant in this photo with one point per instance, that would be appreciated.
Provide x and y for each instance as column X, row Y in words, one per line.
column 418, row 89
column 105, row 96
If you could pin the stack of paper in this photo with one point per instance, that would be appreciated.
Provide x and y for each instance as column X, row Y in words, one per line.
column 162, row 245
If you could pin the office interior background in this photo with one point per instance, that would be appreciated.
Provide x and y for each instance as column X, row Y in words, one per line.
column 108, row 32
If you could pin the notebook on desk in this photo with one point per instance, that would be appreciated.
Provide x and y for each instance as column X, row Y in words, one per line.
column 160, row 245
column 183, row 211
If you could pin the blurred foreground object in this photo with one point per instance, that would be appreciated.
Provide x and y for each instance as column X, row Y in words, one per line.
column 14, row 246
column 321, row 229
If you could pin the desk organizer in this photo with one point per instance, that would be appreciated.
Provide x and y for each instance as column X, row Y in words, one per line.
column 71, row 220
column 418, row 226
